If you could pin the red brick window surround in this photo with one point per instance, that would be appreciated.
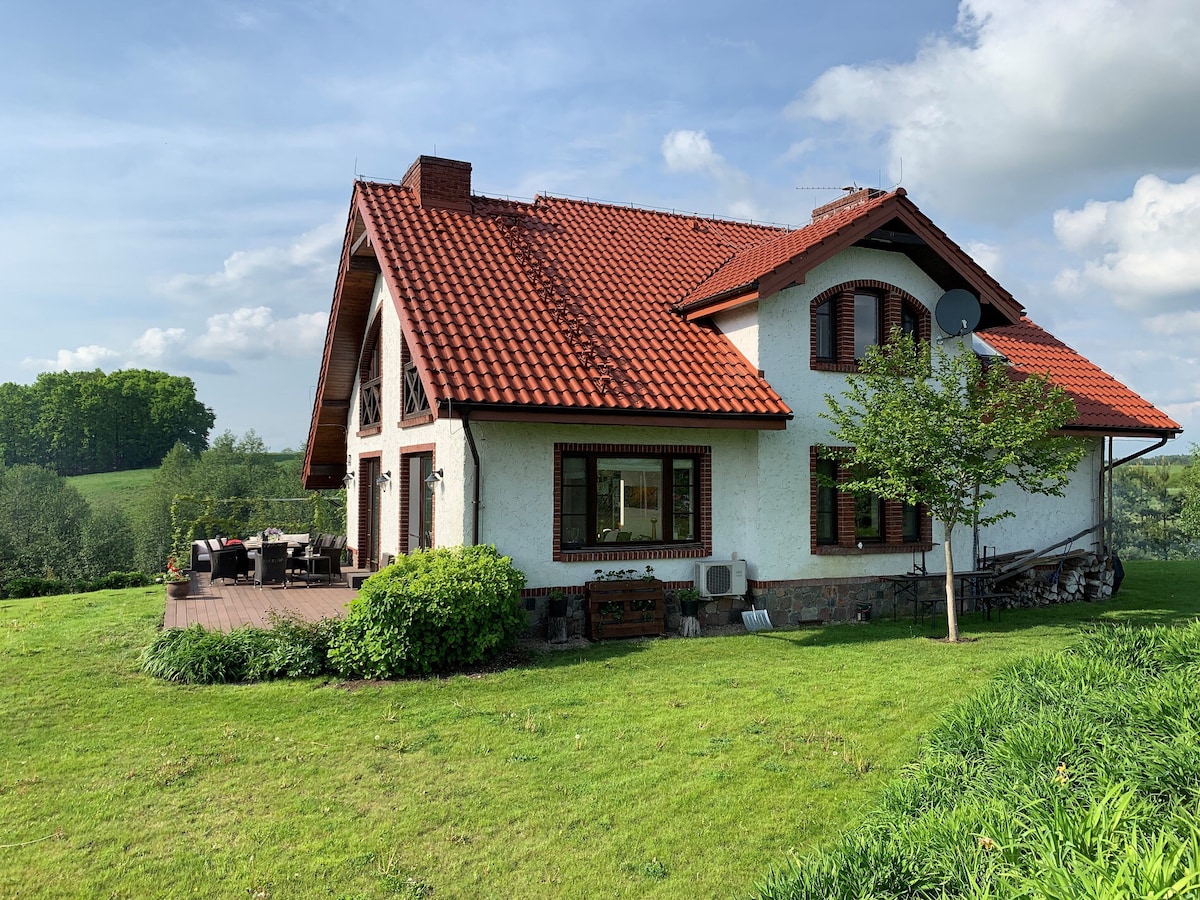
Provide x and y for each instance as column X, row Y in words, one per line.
column 418, row 500
column 631, row 501
column 841, row 523
column 832, row 321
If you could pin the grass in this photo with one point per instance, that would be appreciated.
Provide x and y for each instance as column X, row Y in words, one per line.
column 120, row 489
column 648, row 769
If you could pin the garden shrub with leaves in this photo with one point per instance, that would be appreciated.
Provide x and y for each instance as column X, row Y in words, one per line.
column 290, row 648
column 430, row 612
column 1072, row 776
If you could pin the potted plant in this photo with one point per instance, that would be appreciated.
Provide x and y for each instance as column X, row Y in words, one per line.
column 177, row 582
column 689, row 602
column 558, row 604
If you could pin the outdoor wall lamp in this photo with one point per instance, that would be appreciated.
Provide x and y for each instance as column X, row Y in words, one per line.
column 347, row 478
column 384, row 478
column 433, row 477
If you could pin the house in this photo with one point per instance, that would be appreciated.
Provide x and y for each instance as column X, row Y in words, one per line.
column 590, row 386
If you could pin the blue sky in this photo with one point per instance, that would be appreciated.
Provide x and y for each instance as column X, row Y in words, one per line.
column 175, row 177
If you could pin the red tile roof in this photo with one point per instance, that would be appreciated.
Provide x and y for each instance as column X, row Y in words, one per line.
column 1102, row 402
column 563, row 303
column 571, row 306
column 751, row 264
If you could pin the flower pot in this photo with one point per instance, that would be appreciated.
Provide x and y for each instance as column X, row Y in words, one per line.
column 558, row 607
column 178, row 590
column 689, row 608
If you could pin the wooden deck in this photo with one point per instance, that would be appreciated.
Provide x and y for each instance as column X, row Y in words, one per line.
column 224, row 606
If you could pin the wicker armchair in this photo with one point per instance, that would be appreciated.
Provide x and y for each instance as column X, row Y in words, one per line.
column 270, row 566
column 228, row 561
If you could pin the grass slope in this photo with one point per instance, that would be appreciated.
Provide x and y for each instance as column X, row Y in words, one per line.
column 649, row 769
column 121, row 489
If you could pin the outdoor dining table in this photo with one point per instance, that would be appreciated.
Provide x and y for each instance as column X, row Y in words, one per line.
column 907, row 588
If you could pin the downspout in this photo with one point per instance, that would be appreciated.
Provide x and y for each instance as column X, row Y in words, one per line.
column 466, row 421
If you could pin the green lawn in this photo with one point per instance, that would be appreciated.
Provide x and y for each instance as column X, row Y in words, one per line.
column 121, row 489
column 648, row 769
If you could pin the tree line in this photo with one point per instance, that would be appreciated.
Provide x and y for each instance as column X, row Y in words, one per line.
column 49, row 531
column 79, row 423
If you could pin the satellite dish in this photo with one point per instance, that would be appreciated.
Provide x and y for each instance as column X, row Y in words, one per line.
column 957, row 312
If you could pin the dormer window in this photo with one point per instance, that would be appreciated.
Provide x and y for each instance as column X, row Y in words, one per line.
column 850, row 318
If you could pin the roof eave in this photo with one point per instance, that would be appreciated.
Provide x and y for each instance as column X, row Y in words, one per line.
column 559, row 415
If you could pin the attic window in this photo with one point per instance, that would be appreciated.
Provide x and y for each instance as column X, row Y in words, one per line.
column 850, row 318
column 370, row 387
column 416, row 403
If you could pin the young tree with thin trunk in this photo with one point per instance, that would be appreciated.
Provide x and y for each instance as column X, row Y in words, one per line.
column 943, row 430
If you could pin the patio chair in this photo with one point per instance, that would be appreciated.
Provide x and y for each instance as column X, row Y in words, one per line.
column 333, row 549
column 271, row 564
column 227, row 562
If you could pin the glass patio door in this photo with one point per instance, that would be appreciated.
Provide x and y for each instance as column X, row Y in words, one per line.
column 419, row 499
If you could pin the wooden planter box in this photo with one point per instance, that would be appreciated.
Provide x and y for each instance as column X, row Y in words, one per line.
column 618, row 609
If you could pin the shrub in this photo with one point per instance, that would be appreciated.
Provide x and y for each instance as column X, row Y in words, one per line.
column 290, row 648
column 30, row 586
column 430, row 612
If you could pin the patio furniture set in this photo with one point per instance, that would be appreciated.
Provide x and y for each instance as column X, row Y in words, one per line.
column 290, row 558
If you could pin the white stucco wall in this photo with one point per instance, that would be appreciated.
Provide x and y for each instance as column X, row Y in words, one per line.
column 760, row 480
column 518, row 494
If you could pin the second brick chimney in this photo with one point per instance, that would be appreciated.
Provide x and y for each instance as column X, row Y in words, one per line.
column 440, row 183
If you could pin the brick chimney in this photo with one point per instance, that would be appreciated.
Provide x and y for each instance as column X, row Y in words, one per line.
column 440, row 183
column 852, row 199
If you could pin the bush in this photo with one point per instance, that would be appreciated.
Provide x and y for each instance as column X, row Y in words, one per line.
column 29, row 586
column 432, row 611
column 290, row 648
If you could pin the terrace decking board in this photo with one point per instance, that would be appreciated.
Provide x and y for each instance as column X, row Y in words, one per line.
column 222, row 606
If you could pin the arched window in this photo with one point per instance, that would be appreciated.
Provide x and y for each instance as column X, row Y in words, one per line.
column 851, row 317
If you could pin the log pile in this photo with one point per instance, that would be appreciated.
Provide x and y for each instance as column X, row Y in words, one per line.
column 1062, row 579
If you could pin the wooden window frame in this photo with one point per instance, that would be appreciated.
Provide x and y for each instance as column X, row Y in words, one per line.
column 893, row 304
column 370, row 382
column 848, row 542
column 669, row 548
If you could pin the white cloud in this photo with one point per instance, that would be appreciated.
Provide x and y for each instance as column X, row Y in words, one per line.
column 155, row 343
column 1184, row 324
column 81, row 359
column 310, row 258
column 1142, row 250
column 691, row 151
column 687, row 151
column 257, row 333
column 987, row 255
column 1028, row 99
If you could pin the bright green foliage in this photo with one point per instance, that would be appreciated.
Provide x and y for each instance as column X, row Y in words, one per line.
column 80, row 422
column 1189, row 516
column 1072, row 776
column 290, row 648
column 944, row 431
column 1146, row 513
column 432, row 611
column 42, row 519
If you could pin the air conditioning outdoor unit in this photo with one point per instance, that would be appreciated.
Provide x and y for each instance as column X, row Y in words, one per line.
column 721, row 579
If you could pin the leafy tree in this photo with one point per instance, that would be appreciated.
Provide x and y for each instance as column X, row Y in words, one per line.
column 82, row 422
column 944, row 430
column 41, row 520
column 106, row 543
column 1146, row 513
column 1189, row 515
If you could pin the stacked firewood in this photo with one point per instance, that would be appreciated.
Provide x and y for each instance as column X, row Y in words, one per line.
column 1068, row 579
